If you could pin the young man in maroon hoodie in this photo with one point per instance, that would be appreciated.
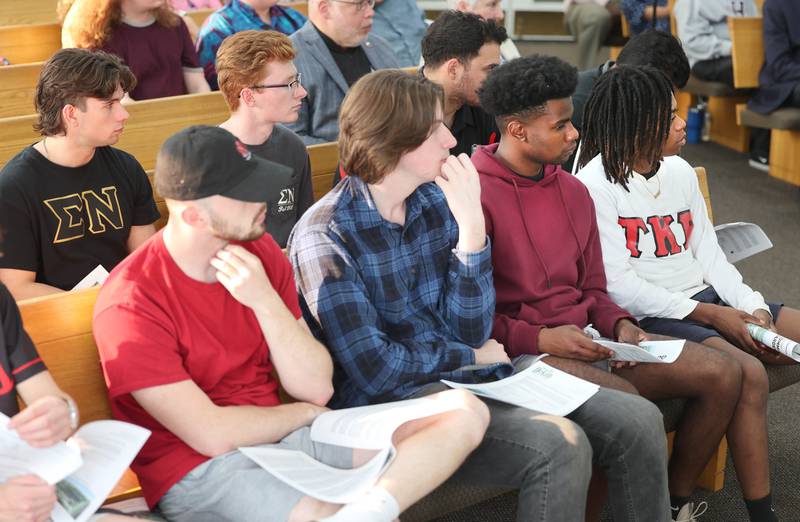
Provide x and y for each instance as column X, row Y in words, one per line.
column 548, row 267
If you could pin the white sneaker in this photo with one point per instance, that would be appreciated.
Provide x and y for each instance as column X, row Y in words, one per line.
column 690, row 513
column 761, row 163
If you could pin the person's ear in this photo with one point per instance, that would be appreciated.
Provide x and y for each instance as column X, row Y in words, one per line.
column 194, row 216
column 246, row 97
column 455, row 69
column 516, row 130
column 324, row 7
column 69, row 116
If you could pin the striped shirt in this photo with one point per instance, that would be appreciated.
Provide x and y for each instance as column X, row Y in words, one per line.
column 398, row 306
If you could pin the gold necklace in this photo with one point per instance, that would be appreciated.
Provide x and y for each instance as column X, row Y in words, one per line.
column 44, row 144
column 658, row 191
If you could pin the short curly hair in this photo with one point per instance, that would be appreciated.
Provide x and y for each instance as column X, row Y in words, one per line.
column 459, row 35
column 522, row 87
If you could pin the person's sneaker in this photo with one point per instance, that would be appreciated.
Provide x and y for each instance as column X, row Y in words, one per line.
column 759, row 163
column 690, row 513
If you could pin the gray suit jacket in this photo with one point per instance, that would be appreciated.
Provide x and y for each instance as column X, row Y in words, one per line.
column 318, row 121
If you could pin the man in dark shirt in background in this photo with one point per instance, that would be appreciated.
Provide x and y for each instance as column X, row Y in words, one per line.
column 459, row 50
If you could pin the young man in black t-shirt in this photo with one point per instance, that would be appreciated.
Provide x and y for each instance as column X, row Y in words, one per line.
column 70, row 202
column 262, row 89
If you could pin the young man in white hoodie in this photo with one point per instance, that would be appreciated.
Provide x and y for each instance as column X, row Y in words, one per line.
column 662, row 260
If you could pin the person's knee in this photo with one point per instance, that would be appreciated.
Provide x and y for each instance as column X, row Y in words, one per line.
column 565, row 445
column 720, row 373
column 755, row 382
column 641, row 420
column 470, row 419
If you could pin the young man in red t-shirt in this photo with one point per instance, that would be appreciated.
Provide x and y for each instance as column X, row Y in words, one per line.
column 194, row 326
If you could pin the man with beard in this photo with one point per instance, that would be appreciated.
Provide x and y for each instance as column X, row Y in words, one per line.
column 195, row 329
column 459, row 50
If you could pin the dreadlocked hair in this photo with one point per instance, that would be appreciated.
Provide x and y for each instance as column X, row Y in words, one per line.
column 626, row 119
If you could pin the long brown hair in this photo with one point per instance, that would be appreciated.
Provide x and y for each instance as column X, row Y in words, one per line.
column 384, row 115
column 94, row 20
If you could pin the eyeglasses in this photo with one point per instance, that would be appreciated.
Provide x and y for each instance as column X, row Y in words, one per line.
column 292, row 85
column 360, row 6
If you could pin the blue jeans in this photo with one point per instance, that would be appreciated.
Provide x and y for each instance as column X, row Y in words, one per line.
column 549, row 459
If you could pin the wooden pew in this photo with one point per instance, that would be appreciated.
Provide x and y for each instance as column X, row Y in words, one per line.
column 150, row 123
column 17, row 87
column 747, row 53
column 18, row 12
column 301, row 7
column 29, row 43
column 324, row 159
column 199, row 16
column 61, row 329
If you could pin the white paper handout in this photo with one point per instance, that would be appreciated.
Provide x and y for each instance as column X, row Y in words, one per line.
column 84, row 469
column 646, row 352
column 96, row 277
column 365, row 428
column 319, row 480
column 539, row 387
column 741, row 240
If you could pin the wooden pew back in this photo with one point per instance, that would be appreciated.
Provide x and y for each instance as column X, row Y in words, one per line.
column 747, row 51
column 16, row 12
column 150, row 123
column 29, row 43
column 702, row 180
column 61, row 328
column 17, row 87
column 324, row 160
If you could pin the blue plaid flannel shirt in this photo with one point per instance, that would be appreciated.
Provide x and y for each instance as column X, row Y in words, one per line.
column 236, row 17
column 398, row 306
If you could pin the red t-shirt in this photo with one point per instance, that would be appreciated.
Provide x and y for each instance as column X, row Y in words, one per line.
column 157, row 55
column 154, row 325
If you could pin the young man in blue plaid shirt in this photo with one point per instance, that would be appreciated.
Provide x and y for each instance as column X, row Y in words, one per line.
column 395, row 276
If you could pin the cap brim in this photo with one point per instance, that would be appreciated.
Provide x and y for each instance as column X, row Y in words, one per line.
column 255, row 187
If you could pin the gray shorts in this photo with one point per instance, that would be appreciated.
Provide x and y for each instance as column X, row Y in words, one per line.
column 233, row 488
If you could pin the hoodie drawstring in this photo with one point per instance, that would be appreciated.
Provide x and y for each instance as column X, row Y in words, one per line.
column 582, row 264
column 528, row 232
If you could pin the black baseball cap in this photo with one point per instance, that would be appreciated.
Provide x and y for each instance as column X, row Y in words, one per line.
column 202, row 161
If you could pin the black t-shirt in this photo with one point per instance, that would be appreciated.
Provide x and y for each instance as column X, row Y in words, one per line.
column 473, row 126
column 352, row 61
column 61, row 222
column 18, row 358
column 290, row 195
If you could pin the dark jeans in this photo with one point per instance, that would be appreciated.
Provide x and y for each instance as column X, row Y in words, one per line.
column 549, row 459
column 716, row 70
column 760, row 138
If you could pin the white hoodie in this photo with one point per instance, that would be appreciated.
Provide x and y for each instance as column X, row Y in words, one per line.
column 660, row 251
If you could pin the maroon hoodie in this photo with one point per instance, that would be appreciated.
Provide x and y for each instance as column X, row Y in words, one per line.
column 548, row 266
